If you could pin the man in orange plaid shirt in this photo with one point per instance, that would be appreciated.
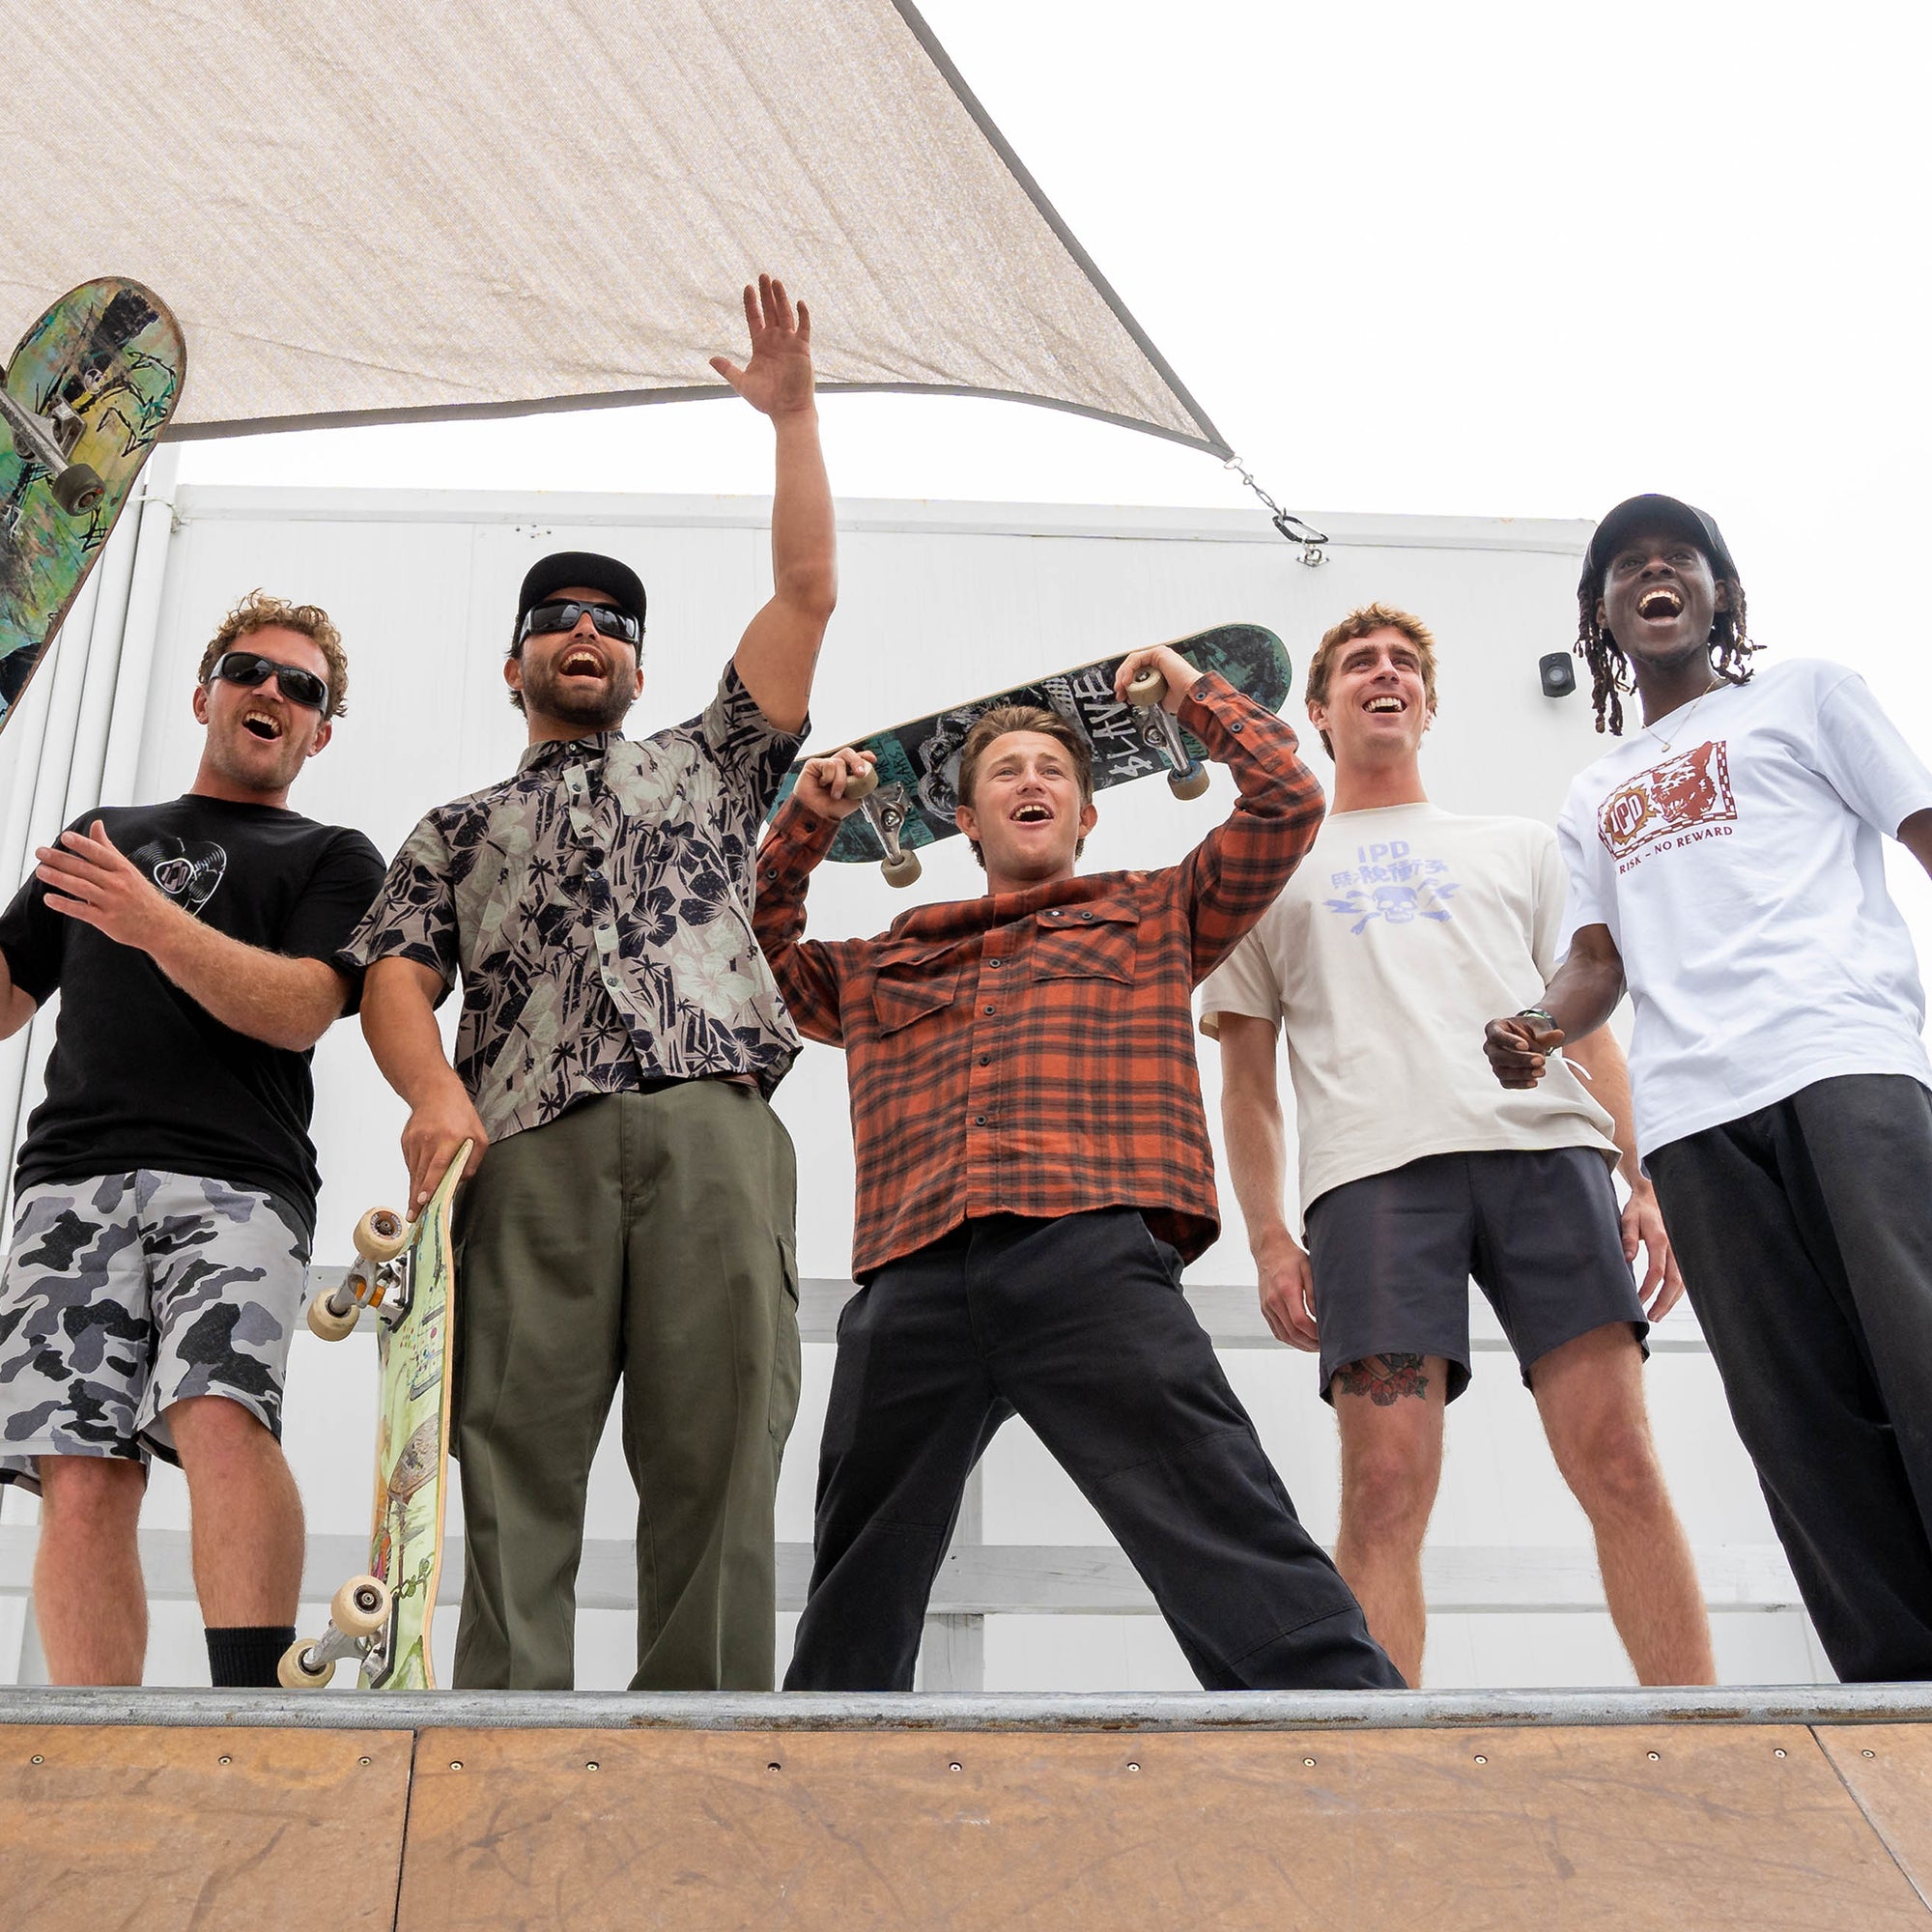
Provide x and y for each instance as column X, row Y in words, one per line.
column 1034, row 1170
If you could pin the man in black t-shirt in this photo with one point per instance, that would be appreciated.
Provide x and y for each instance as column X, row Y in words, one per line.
column 165, row 1201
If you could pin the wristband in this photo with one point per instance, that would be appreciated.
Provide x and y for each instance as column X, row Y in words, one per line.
column 1538, row 1013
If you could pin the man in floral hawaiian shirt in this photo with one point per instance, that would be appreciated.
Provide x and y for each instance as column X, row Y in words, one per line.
column 620, row 1037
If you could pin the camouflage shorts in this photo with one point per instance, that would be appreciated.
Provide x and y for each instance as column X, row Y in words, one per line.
column 127, row 1293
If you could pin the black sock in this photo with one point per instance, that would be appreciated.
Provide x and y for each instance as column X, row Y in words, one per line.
column 246, row 1655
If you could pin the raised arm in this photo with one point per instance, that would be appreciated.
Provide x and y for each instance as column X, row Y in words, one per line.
column 778, row 653
column 810, row 973
column 1251, row 1123
column 282, row 1001
column 1237, row 872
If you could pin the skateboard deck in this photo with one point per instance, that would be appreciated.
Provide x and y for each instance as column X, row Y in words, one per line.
column 83, row 402
column 919, row 762
column 405, row 1270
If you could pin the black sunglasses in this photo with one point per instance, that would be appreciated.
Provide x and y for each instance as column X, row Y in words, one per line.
column 249, row 669
column 542, row 619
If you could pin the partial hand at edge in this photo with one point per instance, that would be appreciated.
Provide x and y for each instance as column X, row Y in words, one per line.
column 1662, row 1286
column 1287, row 1295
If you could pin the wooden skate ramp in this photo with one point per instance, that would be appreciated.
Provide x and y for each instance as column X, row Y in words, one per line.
column 217, row 1831
column 1667, row 1826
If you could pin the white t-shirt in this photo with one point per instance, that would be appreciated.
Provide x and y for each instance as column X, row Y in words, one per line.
column 1401, row 935
column 1741, row 872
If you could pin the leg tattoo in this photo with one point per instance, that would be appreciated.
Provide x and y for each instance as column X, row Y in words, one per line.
column 1384, row 1377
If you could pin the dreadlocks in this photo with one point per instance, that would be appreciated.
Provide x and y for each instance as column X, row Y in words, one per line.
column 1729, row 644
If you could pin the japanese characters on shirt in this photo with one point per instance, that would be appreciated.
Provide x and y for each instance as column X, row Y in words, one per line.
column 1405, row 930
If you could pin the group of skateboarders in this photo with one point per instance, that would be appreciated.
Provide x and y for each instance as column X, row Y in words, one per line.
column 1032, row 1159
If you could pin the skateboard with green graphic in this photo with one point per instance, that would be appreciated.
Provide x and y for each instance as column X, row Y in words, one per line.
column 405, row 1272
column 82, row 404
column 918, row 763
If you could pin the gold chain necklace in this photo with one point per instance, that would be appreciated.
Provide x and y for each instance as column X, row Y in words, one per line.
column 1686, row 719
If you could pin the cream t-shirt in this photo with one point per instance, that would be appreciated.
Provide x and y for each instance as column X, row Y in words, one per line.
column 1401, row 935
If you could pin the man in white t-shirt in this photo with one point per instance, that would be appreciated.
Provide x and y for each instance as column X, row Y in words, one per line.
column 1403, row 925
column 1727, row 867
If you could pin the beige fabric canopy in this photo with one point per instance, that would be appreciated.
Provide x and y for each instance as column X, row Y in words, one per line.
column 371, row 211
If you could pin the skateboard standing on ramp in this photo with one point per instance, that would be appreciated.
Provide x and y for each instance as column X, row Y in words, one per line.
column 918, row 763
column 404, row 1272
column 83, row 402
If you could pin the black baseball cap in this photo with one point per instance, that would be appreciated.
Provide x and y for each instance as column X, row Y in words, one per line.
column 551, row 574
column 1635, row 513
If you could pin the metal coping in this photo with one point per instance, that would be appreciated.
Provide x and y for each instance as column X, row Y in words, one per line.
column 802, row 1711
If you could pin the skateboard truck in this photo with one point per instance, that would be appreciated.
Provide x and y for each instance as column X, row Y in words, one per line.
column 1187, row 776
column 887, row 808
column 356, row 1621
column 49, row 441
column 380, row 1266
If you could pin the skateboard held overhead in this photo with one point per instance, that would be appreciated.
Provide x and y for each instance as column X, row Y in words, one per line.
column 912, row 802
column 83, row 401
column 402, row 1269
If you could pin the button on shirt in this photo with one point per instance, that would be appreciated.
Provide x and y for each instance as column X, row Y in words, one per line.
column 597, row 906
column 1032, row 1053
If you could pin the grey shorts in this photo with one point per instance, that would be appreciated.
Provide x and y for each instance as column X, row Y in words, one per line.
column 1392, row 1256
column 128, row 1292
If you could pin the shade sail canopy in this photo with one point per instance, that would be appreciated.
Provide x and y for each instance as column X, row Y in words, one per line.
column 374, row 211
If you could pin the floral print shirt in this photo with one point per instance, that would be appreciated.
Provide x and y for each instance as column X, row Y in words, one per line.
column 597, row 909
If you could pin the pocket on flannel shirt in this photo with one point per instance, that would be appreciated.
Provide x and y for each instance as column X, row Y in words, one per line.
column 903, row 994
column 1086, row 942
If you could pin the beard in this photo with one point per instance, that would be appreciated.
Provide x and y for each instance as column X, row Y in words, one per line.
column 587, row 707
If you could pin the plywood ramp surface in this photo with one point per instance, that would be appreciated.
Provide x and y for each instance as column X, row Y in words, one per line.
column 217, row 1831
column 1665, row 1827
column 1887, row 1769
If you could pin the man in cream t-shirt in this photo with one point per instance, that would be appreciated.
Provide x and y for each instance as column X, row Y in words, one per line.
column 1404, row 923
column 1727, row 867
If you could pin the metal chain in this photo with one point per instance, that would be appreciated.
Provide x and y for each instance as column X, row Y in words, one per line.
column 1295, row 528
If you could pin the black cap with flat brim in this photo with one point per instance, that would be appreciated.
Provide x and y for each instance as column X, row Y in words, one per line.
column 568, row 569
column 1652, row 512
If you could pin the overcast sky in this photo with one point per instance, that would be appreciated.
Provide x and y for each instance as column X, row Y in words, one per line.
column 1507, row 260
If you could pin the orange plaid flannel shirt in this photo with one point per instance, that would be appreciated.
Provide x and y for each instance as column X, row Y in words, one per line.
column 1032, row 1053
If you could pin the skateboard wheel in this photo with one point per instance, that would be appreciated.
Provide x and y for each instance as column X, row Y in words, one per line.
column 361, row 1606
column 381, row 1235
column 295, row 1671
column 1190, row 783
column 863, row 783
column 1149, row 688
column 902, row 870
column 77, row 488
column 324, row 1321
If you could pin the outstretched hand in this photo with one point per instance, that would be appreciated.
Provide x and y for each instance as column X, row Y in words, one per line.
column 777, row 381
column 90, row 879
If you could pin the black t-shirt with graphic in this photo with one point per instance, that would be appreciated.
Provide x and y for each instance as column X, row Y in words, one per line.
column 142, row 1075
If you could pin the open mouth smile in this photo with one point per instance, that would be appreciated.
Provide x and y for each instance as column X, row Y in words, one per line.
column 581, row 663
column 1030, row 814
column 1387, row 701
column 263, row 725
column 1660, row 604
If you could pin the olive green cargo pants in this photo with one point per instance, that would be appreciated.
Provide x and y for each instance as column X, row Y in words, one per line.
column 647, row 1237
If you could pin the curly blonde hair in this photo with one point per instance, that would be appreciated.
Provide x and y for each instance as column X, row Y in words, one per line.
column 257, row 611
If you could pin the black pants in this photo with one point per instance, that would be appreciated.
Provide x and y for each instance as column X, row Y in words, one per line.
column 1079, row 1327
column 1805, row 1234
